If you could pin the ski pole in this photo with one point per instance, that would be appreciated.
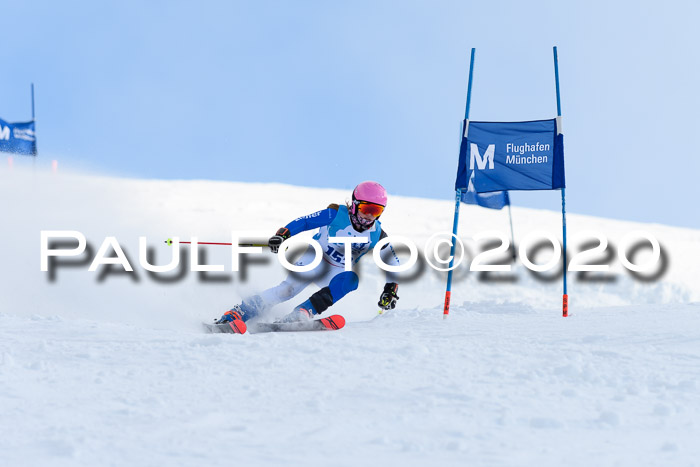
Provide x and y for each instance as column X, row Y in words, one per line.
column 170, row 242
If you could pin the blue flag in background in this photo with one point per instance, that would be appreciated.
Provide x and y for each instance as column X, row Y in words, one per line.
column 492, row 200
column 499, row 156
column 18, row 138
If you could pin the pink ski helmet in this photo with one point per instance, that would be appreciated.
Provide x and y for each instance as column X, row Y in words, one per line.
column 369, row 193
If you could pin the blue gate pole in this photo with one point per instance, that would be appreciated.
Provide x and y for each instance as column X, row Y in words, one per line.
column 35, row 151
column 512, row 235
column 565, row 298
column 458, row 197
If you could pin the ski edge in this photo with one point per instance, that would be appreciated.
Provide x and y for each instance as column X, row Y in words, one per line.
column 233, row 327
column 331, row 323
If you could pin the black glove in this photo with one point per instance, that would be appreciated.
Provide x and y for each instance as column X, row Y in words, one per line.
column 388, row 299
column 276, row 240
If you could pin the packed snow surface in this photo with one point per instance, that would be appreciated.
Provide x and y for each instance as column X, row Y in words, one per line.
column 112, row 367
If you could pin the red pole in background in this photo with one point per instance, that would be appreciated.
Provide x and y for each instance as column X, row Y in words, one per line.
column 170, row 242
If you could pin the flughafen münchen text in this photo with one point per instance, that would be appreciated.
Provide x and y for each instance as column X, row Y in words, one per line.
column 515, row 153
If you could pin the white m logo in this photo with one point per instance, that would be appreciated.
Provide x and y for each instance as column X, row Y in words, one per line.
column 481, row 162
column 5, row 133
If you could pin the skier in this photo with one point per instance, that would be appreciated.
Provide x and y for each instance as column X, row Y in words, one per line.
column 358, row 219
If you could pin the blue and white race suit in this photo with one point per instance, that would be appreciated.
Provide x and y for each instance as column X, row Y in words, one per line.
column 331, row 222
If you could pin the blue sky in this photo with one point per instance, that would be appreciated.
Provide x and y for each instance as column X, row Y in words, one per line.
column 331, row 93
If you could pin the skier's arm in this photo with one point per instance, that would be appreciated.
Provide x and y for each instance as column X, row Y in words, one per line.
column 302, row 224
column 313, row 221
column 389, row 297
column 388, row 255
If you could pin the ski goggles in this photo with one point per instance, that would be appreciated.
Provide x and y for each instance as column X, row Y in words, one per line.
column 366, row 207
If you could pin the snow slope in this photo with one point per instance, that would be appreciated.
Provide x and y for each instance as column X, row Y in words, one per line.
column 113, row 369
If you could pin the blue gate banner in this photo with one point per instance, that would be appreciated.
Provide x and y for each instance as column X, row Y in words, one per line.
column 499, row 156
column 492, row 200
column 18, row 138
